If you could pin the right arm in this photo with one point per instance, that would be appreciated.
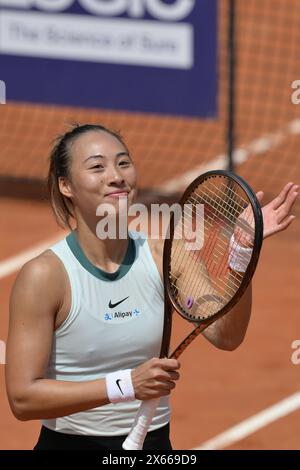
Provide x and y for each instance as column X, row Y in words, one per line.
column 36, row 298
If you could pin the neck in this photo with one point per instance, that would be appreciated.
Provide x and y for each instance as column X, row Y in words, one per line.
column 106, row 254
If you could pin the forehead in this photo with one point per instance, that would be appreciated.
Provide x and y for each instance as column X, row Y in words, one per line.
column 96, row 142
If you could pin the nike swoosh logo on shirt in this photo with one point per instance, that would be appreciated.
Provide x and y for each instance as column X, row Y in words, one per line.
column 117, row 382
column 111, row 305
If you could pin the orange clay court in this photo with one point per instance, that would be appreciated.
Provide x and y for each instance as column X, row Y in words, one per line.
column 218, row 389
column 249, row 398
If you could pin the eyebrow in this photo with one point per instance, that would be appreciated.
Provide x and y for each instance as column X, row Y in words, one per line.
column 119, row 154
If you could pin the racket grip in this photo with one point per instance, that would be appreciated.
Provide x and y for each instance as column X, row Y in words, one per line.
column 143, row 419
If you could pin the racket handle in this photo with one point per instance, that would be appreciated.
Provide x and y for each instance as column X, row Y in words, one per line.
column 143, row 419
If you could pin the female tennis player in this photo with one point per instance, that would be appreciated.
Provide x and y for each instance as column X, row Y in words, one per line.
column 86, row 316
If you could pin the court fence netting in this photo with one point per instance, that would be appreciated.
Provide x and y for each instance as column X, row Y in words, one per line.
column 257, row 127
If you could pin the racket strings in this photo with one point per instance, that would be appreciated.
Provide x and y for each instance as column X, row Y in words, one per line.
column 200, row 284
column 202, row 288
column 210, row 244
column 243, row 224
column 226, row 231
column 233, row 212
column 229, row 214
column 215, row 284
column 233, row 207
column 212, row 248
column 209, row 248
column 212, row 268
column 246, row 226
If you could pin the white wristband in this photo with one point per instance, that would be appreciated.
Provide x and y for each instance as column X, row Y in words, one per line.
column 239, row 256
column 119, row 386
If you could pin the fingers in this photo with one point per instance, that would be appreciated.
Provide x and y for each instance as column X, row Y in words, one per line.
column 280, row 199
column 169, row 364
column 155, row 378
column 167, row 385
column 174, row 375
column 161, row 392
column 166, row 369
column 260, row 195
column 285, row 208
column 166, row 375
column 286, row 222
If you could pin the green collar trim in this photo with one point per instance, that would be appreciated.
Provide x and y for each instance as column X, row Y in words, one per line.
column 127, row 262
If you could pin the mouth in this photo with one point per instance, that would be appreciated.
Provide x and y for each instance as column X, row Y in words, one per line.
column 117, row 194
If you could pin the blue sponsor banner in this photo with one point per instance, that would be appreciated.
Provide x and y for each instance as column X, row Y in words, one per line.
column 154, row 56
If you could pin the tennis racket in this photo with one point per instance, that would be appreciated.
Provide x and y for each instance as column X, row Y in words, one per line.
column 220, row 225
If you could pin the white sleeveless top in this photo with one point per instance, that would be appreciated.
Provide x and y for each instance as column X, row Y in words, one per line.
column 115, row 322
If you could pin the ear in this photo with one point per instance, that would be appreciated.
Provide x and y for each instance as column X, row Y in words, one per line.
column 65, row 186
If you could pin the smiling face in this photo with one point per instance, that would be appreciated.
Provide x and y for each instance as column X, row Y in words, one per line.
column 101, row 172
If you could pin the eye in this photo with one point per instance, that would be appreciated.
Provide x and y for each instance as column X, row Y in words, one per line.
column 124, row 162
column 97, row 167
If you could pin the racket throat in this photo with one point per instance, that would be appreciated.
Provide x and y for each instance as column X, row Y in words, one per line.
column 187, row 341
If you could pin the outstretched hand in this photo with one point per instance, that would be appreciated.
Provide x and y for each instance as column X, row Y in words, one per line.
column 277, row 213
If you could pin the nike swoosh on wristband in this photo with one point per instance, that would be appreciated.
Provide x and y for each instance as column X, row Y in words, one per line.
column 117, row 382
column 111, row 305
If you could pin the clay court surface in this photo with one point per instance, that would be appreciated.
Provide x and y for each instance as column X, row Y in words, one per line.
column 217, row 390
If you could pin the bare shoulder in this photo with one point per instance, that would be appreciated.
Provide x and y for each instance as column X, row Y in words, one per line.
column 157, row 248
column 43, row 268
column 36, row 297
column 42, row 276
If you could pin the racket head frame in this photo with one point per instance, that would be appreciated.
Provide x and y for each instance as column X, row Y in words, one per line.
column 247, row 276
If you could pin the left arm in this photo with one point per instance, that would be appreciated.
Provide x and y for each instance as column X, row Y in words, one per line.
column 229, row 331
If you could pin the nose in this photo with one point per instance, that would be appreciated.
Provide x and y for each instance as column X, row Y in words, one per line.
column 114, row 176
